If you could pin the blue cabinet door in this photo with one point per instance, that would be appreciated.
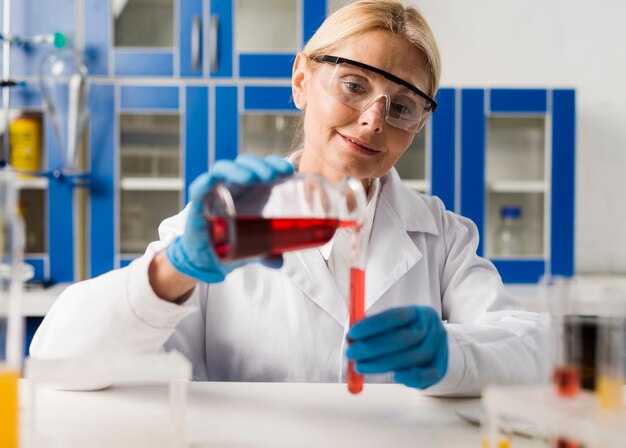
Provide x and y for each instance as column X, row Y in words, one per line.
column 548, row 193
column 278, row 64
column 167, row 43
column 443, row 148
column 135, row 180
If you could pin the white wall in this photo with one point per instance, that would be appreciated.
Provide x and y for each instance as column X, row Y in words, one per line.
column 554, row 43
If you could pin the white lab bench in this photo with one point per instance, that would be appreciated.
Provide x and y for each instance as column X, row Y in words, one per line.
column 250, row 415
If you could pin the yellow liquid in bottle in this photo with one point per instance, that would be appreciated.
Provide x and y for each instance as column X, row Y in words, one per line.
column 502, row 443
column 8, row 408
column 609, row 391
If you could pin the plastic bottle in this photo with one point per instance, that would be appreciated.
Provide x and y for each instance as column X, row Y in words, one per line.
column 509, row 235
column 25, row 138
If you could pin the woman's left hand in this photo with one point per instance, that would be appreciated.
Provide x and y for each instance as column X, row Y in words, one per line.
column 409, row 341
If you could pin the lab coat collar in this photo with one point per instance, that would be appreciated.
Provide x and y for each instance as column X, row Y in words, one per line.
column 410, row 207
column 391, row 253
column 308, row 270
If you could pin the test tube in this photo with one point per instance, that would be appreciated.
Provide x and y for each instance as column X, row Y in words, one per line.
column 357, row 312
column 358, row 250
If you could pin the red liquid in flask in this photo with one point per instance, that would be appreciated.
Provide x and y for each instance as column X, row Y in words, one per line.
column 357, row 312
column 566, row 381
column 256, row 236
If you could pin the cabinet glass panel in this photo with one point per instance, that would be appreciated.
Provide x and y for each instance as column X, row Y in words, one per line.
column 515, row 149
column 265, row 134
column 264, row 26
column 149, row 145
column 143, row 23
column 515, row 225
column 32, row 208
column 412, row 165
column 141, row 214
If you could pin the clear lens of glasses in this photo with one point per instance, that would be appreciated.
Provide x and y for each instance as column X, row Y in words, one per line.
column 359, row 88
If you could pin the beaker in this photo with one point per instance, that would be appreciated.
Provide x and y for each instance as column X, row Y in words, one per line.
column 268, row 218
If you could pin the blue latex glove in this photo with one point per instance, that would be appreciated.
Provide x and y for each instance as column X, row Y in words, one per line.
column 409, row 341
column 192, row 253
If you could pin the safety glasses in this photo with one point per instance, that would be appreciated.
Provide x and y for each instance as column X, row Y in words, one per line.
column 359, row 85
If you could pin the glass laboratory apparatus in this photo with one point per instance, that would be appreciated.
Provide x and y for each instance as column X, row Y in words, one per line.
column 12, row 275
column 269, row 218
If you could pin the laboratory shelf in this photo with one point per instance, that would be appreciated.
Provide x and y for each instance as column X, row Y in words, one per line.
column 577, row 419
column 32, row 183
column 151, row 184
column 37, row 302
column 517, row 186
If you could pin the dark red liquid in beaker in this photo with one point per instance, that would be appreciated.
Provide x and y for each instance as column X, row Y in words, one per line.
column 566, row 381
column 257, row 237
column 357, row 312
column 565, row 443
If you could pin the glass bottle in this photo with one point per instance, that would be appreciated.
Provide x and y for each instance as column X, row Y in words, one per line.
column 509, row 234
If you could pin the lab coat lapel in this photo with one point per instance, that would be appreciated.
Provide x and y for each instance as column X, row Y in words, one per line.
column 309, row 272
column 392, row 252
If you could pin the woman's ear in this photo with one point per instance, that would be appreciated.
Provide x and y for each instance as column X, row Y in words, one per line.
column 299, row 79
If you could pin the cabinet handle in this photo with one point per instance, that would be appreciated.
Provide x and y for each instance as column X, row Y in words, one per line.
column 215, row 23
column 196, row 36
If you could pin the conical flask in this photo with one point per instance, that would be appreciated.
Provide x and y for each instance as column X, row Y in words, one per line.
column 63, row 79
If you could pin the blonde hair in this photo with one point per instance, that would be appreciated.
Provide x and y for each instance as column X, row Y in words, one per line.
column 369, row 15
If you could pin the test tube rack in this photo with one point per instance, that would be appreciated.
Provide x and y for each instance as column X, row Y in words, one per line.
column 577, row 419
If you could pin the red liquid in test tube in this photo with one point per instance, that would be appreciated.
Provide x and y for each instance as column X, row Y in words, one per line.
column 357, row 312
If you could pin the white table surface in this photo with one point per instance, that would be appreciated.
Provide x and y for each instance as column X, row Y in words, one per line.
column 250, row 415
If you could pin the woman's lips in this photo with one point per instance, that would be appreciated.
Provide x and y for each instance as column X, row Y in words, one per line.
column 359, row 145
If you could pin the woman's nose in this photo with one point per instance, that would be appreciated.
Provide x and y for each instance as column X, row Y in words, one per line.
column 374, row 114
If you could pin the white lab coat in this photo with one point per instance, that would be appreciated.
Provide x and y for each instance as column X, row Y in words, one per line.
column 289, row 324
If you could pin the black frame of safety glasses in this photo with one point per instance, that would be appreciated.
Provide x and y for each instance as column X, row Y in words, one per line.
column 389, row 76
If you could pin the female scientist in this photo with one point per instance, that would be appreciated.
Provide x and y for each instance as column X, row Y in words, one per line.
column 439, row 317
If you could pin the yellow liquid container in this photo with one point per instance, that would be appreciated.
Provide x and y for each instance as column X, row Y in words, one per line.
column 25, row 139
column 9, row 428
column 609, row 391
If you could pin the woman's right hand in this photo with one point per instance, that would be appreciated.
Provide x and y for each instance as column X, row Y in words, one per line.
column 192, row 253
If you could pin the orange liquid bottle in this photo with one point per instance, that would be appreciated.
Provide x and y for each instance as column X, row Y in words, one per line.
column 8, row 408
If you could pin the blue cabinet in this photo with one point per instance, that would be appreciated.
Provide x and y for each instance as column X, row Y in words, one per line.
column 48, row 208
column 196, row 38
column 148, row 143
column 518, row 152
column 162, row 38
column 150, row 139
column 178, row 84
